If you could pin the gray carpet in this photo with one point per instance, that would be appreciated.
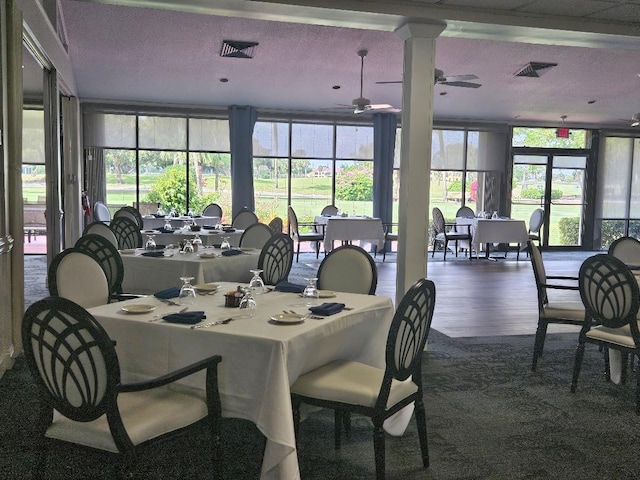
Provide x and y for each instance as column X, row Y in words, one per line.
column 488, row 417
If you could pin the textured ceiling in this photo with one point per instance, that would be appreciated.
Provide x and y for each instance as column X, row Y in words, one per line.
column 128, row 54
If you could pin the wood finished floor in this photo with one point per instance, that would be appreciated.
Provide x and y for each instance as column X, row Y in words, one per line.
column 485, row 298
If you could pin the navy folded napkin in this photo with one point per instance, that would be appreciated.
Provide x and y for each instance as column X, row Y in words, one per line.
column 209, row 227
column 188, row 318
column 167, row 293
column 228, row 229
column 158, row 215
column 285, row 286
column 229, row 253
column 153, row 254
column 326, row 309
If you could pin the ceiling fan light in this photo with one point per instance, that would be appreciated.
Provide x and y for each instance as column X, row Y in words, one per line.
column 635, row 123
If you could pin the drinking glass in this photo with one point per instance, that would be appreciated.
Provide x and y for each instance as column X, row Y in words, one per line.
column 188, row 247
column 151, row 243
column 167, row 225
column 310, row 293
column 248, row 302
column 225, row 245
column 187, row 292
column 256, row 284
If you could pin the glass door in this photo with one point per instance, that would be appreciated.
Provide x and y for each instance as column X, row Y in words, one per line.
column 555, row 183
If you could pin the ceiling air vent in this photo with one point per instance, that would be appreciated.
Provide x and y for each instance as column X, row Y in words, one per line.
column 534, row 69
column 238, row 49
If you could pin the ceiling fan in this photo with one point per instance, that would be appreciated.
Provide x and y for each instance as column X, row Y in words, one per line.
column 451, row 80
column 362, row 104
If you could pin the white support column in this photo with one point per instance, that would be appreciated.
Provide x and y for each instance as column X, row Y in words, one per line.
column 415, row 164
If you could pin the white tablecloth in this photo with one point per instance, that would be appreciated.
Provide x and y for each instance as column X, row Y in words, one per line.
column 150, row 274
column 260, row 359
column 500, row 230
column 208, row 237
column 150, row 222
column 365, row 229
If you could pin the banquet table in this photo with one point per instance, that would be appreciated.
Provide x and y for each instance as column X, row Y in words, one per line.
column 260, row 358
column 150, row 222
column 208, row 237
column 347, row 229
column 496, row 230
column 147, row 275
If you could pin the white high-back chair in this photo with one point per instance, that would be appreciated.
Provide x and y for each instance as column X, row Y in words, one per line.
column 102, row 229
column 348, row 269
column 101, row 212
column 79, row 277
column 256, row 235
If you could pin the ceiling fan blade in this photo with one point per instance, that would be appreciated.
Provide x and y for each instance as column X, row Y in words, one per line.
column 461, row 84
column 388, row 81
column 460, row 78
column 379, row 106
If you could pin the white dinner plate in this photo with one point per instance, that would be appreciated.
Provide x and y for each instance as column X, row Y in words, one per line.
column 326, row 294
column 287, row 318
column 128, row 251
column 206, row 287
column 138, row 308
column 246, row 249
column 149, row 232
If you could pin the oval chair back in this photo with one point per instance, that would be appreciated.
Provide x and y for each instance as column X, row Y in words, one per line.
column 108, row 257
column 277, row 225
column 131, row 213
column 329, row 210
column 276, row 259
column 465, row 212
column 78, row 276
column 101, row 212
column 348, row 268
column 212, row 210
column 609, row 292
column 244, row 219
column 535, row 222
column 102, row 229
column 64, row 343
column 626, row 249
column 256, row 235
column 127, row 232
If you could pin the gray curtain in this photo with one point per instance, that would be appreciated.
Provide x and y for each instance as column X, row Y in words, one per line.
column 241, row 123
column 96, row 180
column 384, row 143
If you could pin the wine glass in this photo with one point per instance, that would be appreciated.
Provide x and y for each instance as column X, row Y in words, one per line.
column 197, row 241
column 187, row 292
column 256, row 284
column 225, row 245
column 310, row 293
column 167, row 225
column 151, row 243
column 248, row 302
column 188, row 247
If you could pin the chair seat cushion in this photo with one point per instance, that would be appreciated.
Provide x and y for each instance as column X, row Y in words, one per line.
column 310, row 237
column 619, row 336
column 145, row 415
column 564, row 311
column 353, row 383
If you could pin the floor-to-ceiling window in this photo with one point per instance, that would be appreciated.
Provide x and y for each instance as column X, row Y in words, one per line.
column 148, row 159
column 618, row 204
column 311, row 165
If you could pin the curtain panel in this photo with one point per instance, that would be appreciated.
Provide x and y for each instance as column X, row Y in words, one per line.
column 384, row 143
column 241, row 123
column 96, row 179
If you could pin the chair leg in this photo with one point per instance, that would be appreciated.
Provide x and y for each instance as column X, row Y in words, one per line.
column 317, row 250
column 637, row 384
column 337, row 425
column 433, row 248
column 577, row 365
column 421, row 423
column 538, row 345
column 378, row 448
column 298, row 253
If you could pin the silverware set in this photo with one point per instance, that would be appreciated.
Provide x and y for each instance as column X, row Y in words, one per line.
column 211, row 324
column 304, row 317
